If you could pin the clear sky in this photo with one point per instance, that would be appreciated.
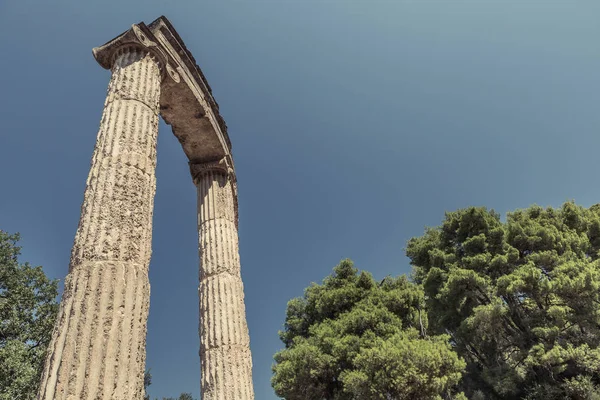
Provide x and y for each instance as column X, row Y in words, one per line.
column 354, row 125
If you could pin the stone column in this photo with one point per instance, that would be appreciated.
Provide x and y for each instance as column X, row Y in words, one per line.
column 226, row 362
column 98, row 344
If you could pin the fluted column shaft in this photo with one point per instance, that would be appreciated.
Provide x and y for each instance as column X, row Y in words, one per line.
column 226, row 362
column 98, row 344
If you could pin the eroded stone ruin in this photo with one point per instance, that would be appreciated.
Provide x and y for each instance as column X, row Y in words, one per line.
column 98, row 347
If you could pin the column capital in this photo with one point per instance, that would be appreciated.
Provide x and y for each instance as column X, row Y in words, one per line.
column 139, row 39
column 223, row 167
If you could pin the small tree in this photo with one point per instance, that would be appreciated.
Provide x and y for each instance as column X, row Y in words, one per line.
column 182, row 396
column 354, row 338
column 28, row 311
column 148, row 382
column 521, row 299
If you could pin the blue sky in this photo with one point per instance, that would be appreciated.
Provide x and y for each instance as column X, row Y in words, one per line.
column 354, row 124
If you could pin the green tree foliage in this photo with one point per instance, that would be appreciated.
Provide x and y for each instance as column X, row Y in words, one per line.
column 354, row 338
column 182, row 396
column 27, row 313
column 520, row 299
column 148, row 382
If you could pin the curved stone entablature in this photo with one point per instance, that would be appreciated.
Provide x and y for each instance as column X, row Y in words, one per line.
column 186, row 101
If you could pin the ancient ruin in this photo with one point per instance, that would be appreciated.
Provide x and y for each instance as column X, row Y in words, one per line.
column 98, row 344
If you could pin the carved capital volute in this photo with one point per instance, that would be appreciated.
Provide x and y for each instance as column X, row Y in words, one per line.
column 137, row 39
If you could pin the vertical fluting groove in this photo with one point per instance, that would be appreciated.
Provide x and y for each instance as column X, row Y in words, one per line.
column 122, row 347
column 58, row 338
column 142, row 345
column 135, row 328
column 223, row 312
column 132, row 348
column 75, row 310
column 97, row 362
column 88, row 229
column 221, row 368
column 112, row 351
column 239, row 315
column 228, row 318
column 226, row 363
column 83, row 351
column 97, row 350
column 107, row 150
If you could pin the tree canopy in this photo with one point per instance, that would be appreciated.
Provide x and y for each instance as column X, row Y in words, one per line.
column 354, row 338
column 27, row 313
column 520, row 299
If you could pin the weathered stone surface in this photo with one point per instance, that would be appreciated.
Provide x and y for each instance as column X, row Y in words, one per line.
column 98, row 345
column 189, row 107
column 224, row 341
column 186, row 101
